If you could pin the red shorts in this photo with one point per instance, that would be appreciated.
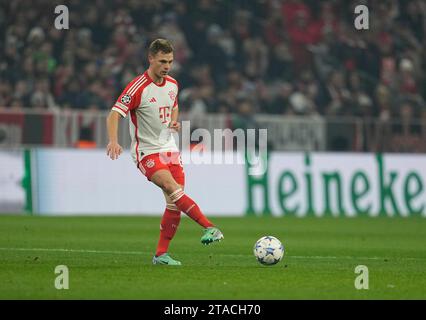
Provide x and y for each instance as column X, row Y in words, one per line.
column 163, row 161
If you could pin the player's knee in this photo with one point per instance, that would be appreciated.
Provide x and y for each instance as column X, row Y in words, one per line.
column 169, row 186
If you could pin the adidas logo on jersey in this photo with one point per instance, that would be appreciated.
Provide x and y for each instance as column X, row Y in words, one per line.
column 152, row 100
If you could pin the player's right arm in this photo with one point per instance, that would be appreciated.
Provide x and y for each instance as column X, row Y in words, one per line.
column 128, row 100
column 113, row 148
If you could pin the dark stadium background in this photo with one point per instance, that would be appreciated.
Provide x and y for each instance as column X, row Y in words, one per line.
column 298, row 68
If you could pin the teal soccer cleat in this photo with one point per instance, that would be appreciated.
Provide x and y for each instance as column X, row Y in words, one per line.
column 165, row 259
column 210, row 235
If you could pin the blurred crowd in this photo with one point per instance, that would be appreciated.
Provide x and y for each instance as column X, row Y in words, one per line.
column 288, row 57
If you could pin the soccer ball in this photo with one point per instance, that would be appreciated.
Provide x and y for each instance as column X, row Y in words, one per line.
column 268, row 250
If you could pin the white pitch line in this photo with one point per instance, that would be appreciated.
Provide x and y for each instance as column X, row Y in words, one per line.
column 218, row 254
column 348, row 257
column 74, row 250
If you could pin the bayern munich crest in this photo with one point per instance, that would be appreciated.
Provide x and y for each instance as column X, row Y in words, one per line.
column 150, row 163
column 172, row 95
column 126, row 99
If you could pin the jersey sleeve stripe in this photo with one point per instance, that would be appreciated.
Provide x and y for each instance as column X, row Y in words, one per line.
column 135, row 83
column 119, row 110
column 122, row 106
column 117, row 106
column 132, row 92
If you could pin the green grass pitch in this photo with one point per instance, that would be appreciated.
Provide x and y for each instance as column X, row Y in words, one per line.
column 110, row 258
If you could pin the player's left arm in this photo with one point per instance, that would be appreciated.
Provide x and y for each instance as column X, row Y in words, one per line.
column 174, row 124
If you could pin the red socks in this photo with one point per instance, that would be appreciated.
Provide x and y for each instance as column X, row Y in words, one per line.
column 187, row 205
column 171, row 218
column 168, row 227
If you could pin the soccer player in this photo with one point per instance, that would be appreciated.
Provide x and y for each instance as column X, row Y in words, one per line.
column 151, row 100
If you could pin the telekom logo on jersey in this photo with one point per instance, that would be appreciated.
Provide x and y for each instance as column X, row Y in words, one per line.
column 225, row 147
column 164, row 114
